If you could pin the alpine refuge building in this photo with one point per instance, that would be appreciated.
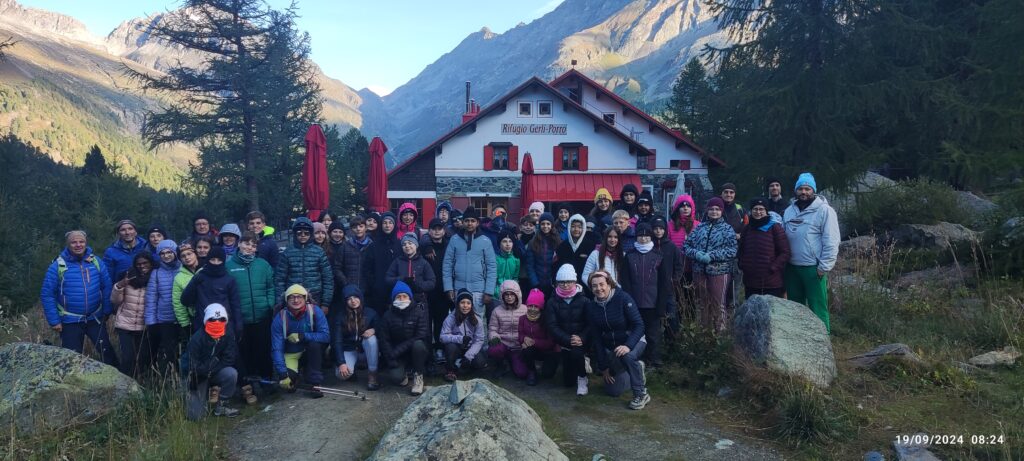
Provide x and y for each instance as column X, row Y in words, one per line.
column 580, row 137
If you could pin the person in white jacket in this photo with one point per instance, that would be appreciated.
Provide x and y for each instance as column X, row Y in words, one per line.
column 813, row 233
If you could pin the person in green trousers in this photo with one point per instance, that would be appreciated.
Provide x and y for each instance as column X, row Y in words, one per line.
column 813, row 233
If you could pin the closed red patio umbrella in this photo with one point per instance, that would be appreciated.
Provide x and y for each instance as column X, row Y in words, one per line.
column 527, row 190
column 315, row 187
column 377, row 181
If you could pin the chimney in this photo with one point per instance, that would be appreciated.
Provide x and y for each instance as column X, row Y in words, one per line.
column 471, row 108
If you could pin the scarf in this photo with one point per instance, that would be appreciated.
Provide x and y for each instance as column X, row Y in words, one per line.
column 643, row 248
column 762, row 224
column 362, row 243
column 246, row 259
column 215, row 329
column 214, row 270
column 566, row 293
column 604, row 301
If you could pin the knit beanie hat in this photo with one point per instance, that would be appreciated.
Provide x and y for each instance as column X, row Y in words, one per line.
column 336, row 224
column 216, row 252
column 659, row 222
column 471, row 213
column 122, row 222
column 166, row 245
column 535, row 298
column 716, row 201
column 411, row 238
column 463, row 294
column 643, row 229
column 158, row 229
column 537, row 206
column 546, row 217
column 758, row 201
column 214, row 311
column 602, row 193
column 296, row 289
column 401, row 287
column 729, row 186
column 566, row 273
column 806, row 179
column 645, row 197
column 387, row 215
column 319, row 227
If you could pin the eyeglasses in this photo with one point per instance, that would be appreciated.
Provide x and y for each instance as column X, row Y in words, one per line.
column 301, row 232
column 567, row 282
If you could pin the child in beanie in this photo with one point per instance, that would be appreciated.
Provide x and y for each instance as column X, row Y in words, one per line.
column 534, row 338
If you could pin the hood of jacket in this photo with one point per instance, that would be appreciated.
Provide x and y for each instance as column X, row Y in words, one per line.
column 408, row 206
column 513, row 286
column 302, row 222
column 685, row 198
column 629, row 188
column 444, row 205
column 576, row 244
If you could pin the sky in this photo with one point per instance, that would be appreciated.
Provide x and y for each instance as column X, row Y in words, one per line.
column 376, row 44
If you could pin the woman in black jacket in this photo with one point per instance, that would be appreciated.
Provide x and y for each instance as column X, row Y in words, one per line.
column 376, row 261
column 565, row 315
column 648, row 280
column 355, row 329
column 618, row 338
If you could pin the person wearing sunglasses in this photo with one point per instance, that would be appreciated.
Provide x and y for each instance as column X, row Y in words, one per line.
column 305, row 263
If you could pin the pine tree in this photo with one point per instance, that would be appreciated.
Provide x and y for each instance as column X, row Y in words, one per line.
column 95, row 164
column 691, row 95
column 348, row 164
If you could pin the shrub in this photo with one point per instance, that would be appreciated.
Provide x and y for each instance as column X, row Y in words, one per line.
column 910, row 202
column 706, row 357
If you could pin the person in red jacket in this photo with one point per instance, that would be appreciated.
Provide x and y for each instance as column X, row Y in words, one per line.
column 536, row 342
column 763, row 251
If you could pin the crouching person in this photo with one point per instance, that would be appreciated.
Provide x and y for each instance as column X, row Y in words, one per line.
column 404, row 332
column 503, row 330
column 463, row 337
column 299, row 334
column 355, row 330
column 212, row 374
column 535, row 340
column 619, row 338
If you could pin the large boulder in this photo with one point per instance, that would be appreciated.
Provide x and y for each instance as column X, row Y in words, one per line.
column 467, row 420
column 975, row 206
column 785, row 336
column 932, row 236
column 48, row 387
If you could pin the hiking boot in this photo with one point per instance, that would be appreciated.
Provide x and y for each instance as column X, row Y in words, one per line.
column 214, row 395
column 531, row 379
column 417, row 384
column 581, row 386
column 223, row 410
column 640, row 401
column 451, row 376
column 371, row 381
column 248, row 395
column 315, row 393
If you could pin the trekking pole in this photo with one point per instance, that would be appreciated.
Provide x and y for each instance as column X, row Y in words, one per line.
column 333, row 391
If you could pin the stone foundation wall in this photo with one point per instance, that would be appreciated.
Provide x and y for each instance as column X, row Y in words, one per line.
column 448, row 186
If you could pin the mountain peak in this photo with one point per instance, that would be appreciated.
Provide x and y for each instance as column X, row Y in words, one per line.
column 486, row 33
column 43, row 22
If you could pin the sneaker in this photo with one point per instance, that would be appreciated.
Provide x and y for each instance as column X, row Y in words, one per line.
column 417, row 384
column 316, row 393
column 581, row 386
column 371, row 381
column 223, row 410
column 531, row 379
column 643, row 371
column 248, row 395
column 640, row 401
column 214, row 394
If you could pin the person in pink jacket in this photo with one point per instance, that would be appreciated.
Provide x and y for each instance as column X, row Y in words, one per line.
column 683, row 220
column 535, row 340
column 503, row 331
column 129, row 300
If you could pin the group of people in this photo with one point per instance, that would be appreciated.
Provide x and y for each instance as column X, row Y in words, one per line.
column 600, row 293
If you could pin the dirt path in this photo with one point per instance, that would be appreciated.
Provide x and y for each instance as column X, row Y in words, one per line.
column 296, row 427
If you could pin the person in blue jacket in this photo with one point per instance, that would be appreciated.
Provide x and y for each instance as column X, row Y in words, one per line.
column 76, row 297
column 161, row 324
column 118, row 257
column 298, row 334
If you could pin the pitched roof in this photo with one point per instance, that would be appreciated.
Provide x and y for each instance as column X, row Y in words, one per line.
column 605, row 91
column 501, row 104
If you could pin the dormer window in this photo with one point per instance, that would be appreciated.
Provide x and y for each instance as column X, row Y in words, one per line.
column 525, row 108
column 610, row 118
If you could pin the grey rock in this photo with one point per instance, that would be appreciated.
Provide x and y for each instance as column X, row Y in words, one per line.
column 914, row 451
column 976, row 206
column 1008, row 356
column 944, row 276
column 785, row 336
column 857, row 282
column 933, row 236
column 874, row 456
column 966, row 367
column 862, row 246
column 48, row 387
column 899, row 351
column 489, row 423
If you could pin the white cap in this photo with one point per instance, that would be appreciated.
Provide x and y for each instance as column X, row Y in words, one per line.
column 537, row 206
column 215, row 311
column 566, row 273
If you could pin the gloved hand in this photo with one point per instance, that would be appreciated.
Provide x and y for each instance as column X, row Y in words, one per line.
column 466, row 340
column 494, row 341
column 703, row 257
column 285, row 384
column 293, row 338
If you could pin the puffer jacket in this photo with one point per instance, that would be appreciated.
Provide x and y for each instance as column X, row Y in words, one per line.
column 83, row 294
column 508, row 269
column 542, row 340
column 813, row 234
column 256, row 293
column 344, row 339
column 504, row 323
column 433, row 252
column 416, row 270
column 647, row 278
column 678, row 235
column 131, row 307
column 117, row 258
column 564, row 319
column 539, row 264
column 376, row 261
column 307, row 265
column 182, row 313
column 208, row 356
column 453, row 333
column 400, row 328
column 348, row 263
column 470, row 264
column 310, row 325
column 718, row 240
column 210, row 286
column 616, row 322
column 763, row 254
column 160, row 294
column 402, row 229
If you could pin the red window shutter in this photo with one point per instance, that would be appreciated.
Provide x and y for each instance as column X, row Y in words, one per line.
column 652, row 160
column 488, row 158
column 584, row 153
column 513, row 158
column 557, row 160
column 684, row 165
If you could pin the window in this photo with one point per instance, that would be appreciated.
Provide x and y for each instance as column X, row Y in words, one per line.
column 679, row 164
column 570, row 158
column 485, row 205
column 543, row 108
column 500, row 161
column 641, row 162
column 525, row 109
column 610, row 118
